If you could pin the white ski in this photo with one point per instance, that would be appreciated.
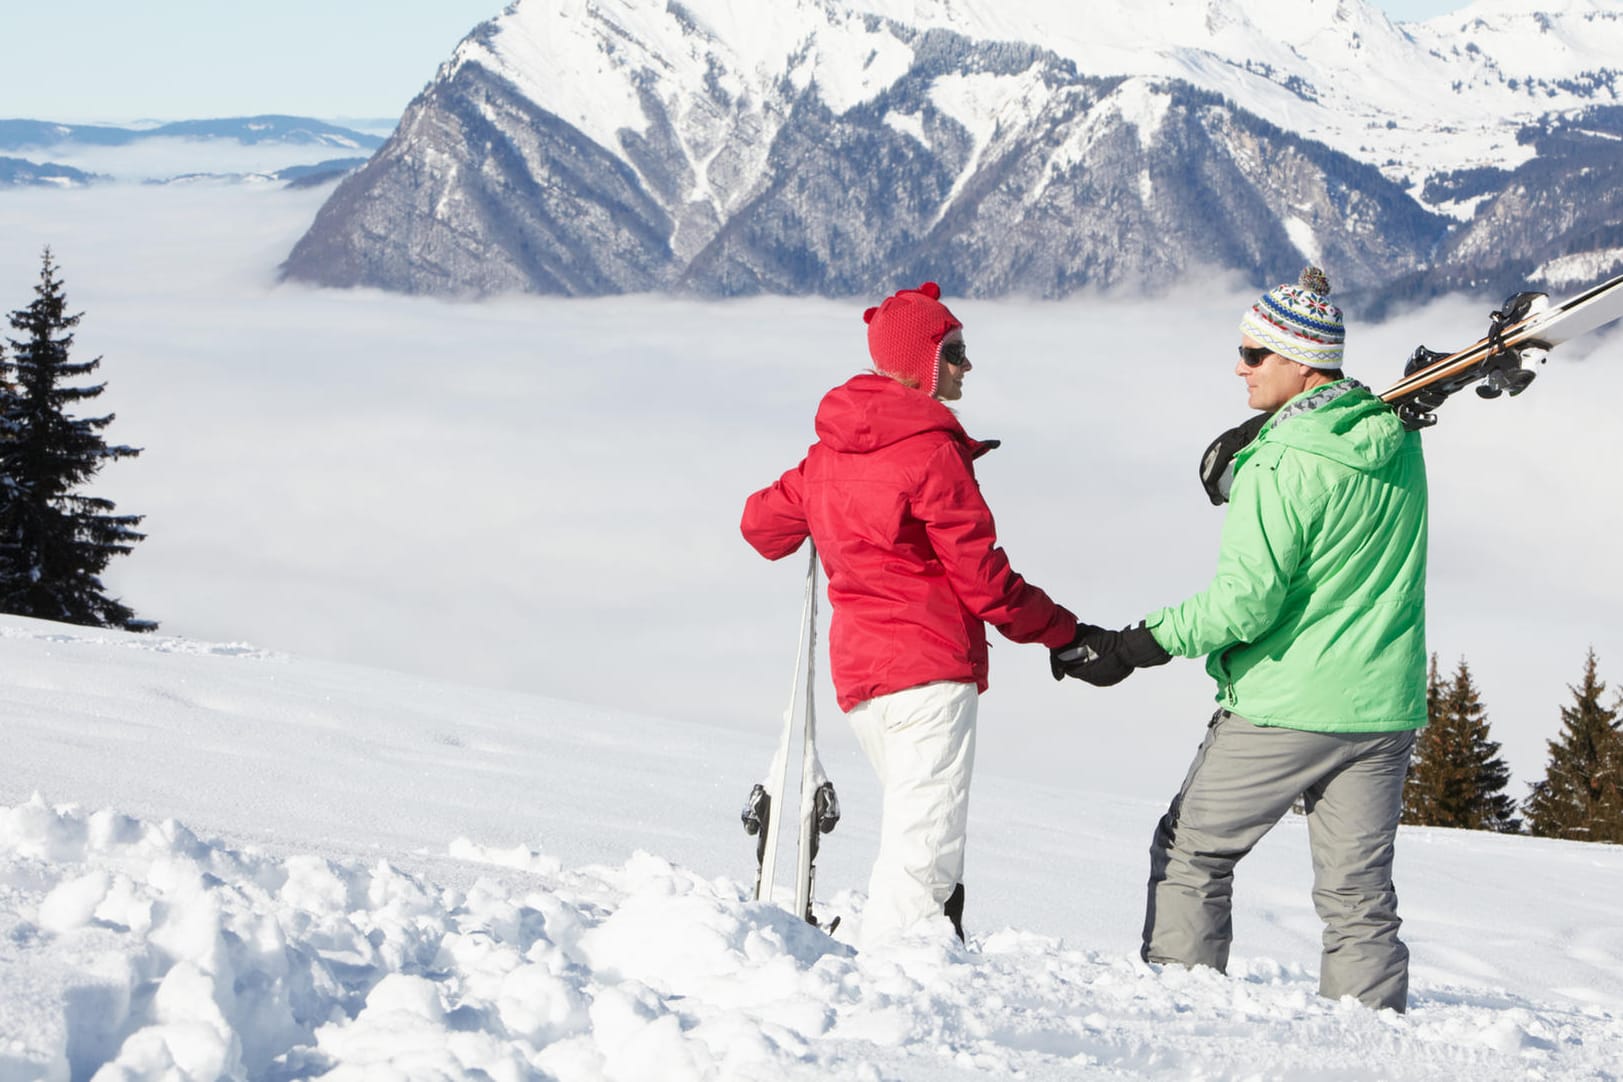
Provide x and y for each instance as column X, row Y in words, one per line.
column 819, row 808
column 810, row 767
column 1520, row 333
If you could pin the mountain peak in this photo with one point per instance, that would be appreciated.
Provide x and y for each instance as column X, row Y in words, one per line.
column 637, row 144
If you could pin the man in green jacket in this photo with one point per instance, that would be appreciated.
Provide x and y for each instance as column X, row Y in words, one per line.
column 1314, row 629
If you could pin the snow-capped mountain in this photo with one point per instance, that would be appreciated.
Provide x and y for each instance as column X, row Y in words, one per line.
column 1030, row 146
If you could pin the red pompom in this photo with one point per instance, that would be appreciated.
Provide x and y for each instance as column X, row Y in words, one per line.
column 867, row 317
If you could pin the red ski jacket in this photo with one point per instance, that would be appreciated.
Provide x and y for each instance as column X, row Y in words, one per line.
column 888, row 493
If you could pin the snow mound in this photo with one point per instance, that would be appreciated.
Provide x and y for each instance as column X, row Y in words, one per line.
column 136, row 950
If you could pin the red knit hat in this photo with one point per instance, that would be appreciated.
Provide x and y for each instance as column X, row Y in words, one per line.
column 906, row 331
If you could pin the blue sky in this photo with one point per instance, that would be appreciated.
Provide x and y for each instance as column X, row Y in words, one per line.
column 116, row 60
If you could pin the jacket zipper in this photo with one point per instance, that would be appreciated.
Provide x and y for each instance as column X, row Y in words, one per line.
column 1229, row 695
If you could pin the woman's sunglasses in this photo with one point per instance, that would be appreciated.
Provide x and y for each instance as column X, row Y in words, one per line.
column 1254, row 355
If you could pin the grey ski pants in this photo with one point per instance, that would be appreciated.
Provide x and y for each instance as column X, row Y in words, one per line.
column 1243, row 780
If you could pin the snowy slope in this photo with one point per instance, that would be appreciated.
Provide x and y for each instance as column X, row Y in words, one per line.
column 242, row 864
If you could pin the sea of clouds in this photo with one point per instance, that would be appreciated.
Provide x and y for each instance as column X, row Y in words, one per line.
column 543, row 493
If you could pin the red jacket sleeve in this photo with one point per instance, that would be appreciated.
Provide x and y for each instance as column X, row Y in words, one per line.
column 774, row 521
column 964, row 538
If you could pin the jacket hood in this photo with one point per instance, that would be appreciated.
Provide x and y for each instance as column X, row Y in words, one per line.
column 869, row 412
column 1342, row 421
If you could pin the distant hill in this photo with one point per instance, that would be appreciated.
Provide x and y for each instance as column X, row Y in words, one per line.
column 37, row 142
column 16, row 135
column 19, row 172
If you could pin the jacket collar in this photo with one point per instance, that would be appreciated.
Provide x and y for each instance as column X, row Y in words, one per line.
column 871, row 411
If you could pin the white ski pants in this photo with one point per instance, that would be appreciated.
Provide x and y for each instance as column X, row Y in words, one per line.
column 921, row 742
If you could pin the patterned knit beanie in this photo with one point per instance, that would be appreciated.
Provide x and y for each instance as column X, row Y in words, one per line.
column 1299, row 322
column 906, row 332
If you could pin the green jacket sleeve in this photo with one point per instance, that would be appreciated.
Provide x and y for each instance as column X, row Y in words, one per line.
column 1262, row 544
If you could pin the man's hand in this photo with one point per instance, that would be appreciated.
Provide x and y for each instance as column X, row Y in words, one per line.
column 1103, row 658
column 1090, row 656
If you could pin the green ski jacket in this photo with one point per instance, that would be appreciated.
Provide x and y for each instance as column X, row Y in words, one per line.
column 1316, row 617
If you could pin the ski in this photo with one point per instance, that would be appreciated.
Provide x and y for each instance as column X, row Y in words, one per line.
column 1520, row 334
column 819, row 807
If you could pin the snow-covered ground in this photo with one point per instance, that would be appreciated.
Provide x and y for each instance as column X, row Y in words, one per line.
column 218, row 861
column 248, row 859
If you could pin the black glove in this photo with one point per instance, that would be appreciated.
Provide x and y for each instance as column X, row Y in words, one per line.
column 1215, row 472
column 1091, row 647
column 1140, row 649
column 1103, row 658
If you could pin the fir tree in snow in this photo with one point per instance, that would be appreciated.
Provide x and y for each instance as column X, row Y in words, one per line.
column 54, row 541
column 1581, row 796
column 8, row 392
column 1457, row 778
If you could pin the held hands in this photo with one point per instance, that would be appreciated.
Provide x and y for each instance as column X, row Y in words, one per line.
column 1090, row 656
column 1103, row 658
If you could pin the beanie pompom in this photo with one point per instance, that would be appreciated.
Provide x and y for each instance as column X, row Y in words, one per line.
column 931, row 290
column 1314, row 280
column 867, row 317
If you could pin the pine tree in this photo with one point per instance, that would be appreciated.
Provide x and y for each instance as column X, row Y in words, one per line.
column 8, row 391
column 8, row 400
column 1456, row 778
column 1581, row 796
column 54, row 542
column 1417, row 790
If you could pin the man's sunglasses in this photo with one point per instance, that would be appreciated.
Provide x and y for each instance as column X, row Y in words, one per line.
column 954, row 353
column 1254, row 355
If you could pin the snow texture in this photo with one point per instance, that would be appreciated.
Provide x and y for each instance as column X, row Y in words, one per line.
column 239, row 939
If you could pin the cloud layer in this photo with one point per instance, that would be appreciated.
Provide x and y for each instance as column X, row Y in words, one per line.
column 543, row 494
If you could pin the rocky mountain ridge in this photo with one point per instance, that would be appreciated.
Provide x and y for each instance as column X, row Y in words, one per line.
column 598, row 146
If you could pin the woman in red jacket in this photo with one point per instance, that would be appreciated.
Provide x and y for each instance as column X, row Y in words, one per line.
column 889, row 496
